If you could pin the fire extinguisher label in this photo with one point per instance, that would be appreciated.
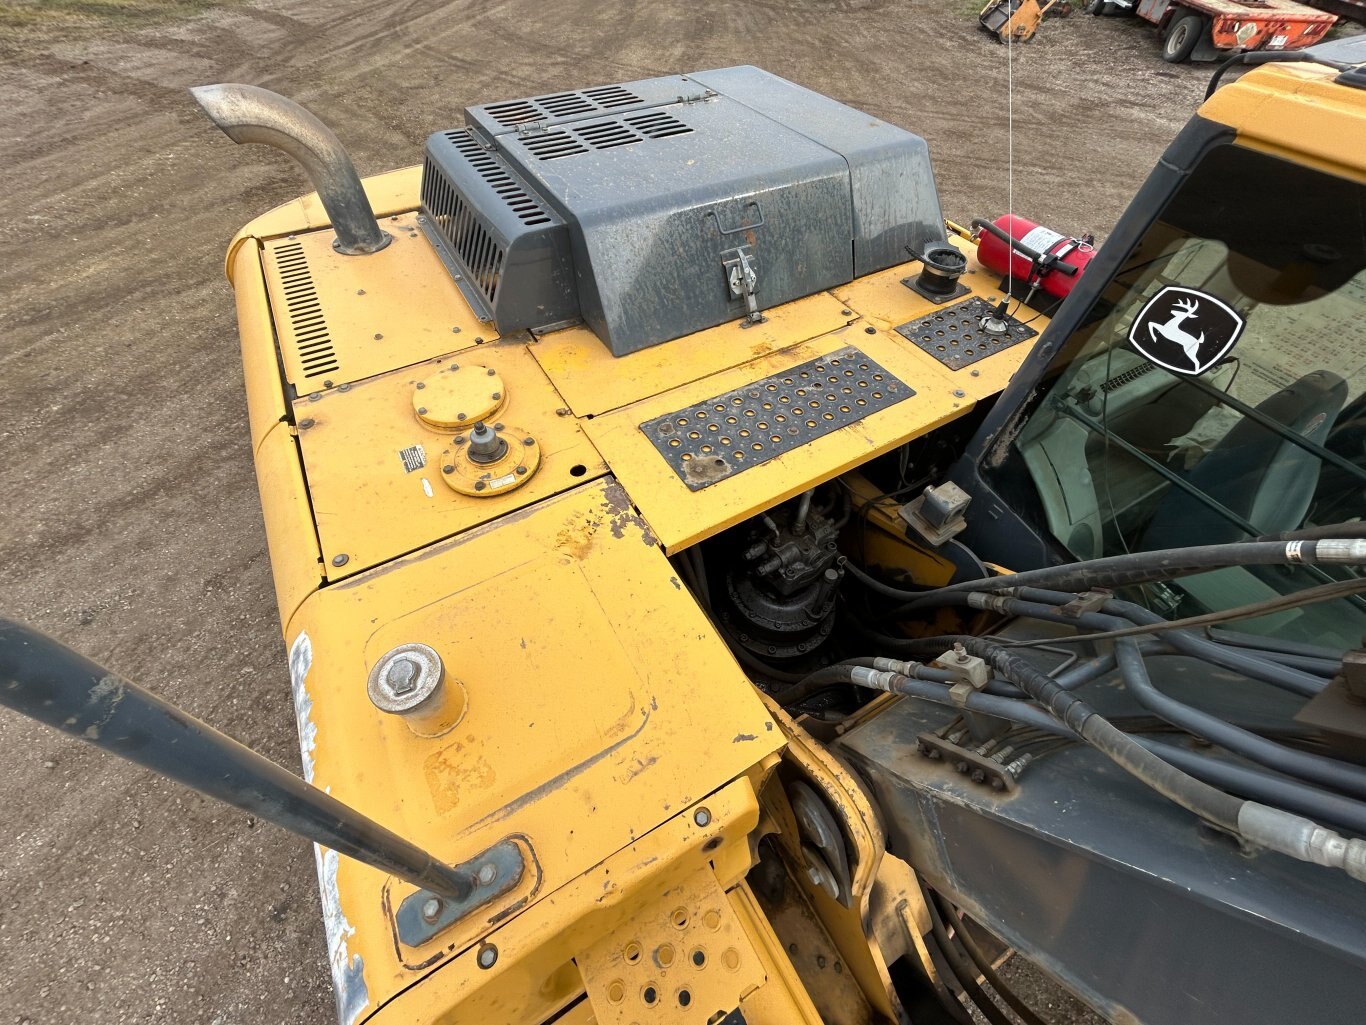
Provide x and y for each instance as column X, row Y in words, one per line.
column 1041, row 239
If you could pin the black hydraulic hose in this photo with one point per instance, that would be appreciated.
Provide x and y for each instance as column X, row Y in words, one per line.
column 45, row 680
column 859, row 675
column 1337, row 775
column 962, row 969
column 1350, row 528
column 1140, row 568
column 1212, row 805
column 1278, row 644
column 1253, row 783
column 983, row 964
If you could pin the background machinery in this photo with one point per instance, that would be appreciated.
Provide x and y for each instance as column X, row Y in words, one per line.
column 712, row 594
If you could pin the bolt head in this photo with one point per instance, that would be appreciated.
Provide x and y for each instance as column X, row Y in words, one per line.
column 305, row 424
column 496, row 396
column 492, row 372
column 479, row 485
column 401, row 676
column 448, row 468
column 521, row 471
column 702, row 817
column 378, row 336
column 487, row 956
column 421, row 410
column 431, row 909
column 959, row 393
column 421, row 385
column 487, row 874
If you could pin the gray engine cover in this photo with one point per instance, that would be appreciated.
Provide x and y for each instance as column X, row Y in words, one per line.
column 648, row 187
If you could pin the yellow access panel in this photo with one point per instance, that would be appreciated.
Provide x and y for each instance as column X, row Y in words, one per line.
column 586, row 702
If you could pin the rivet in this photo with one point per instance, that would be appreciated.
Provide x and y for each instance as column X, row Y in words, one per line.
column 455, row 330
column 344, row 388
column 378, row 336
column 521, row 470
column 975, row 373
column 460, row 416
column 305, row 424
column 492, row 372
column 478, row 340
column 340, row 560
column 360, row 291
column 315, row 397
column 702, row 817
column 421, row 385
column 870, row 330
column 421, row 410
column 487, row 874
column 455, row 366
column 958, row 393
column 479, row 485
column 448, row 468
column 528, row 442
column 460, row 439
column 487, row 956
column 431, row 909
column 846, row 313
column 496, row 396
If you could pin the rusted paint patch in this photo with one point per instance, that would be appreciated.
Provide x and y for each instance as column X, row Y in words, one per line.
column 622, row 514
column 741, row 737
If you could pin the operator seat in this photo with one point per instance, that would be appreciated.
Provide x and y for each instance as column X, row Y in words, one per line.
column 1254, row 471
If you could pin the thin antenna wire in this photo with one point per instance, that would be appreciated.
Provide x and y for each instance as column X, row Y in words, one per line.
column 1010, row 146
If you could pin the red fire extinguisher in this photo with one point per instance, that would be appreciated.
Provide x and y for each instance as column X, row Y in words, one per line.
column 1032, row 253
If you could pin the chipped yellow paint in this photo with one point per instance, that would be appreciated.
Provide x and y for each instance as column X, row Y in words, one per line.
column 681, row 517
column 361, row 448
column 585, row 666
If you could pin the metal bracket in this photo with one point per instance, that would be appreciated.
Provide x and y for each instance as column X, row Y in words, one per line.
column 937, row 515
column 1090, row 601
column 743, row 280
column 968, row 668
column 981, row 764
column 423, row 915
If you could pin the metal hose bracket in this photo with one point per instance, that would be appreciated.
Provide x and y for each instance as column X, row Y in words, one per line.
column 248, row 114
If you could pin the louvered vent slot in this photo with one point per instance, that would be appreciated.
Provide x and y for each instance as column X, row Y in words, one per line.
column 553, row 145
column 517, row 199
column 514, row 112
column 657, row 125
column 611, row 96
column 311, row 338
column 606, row 134
column 480, row 255
column 565, row 104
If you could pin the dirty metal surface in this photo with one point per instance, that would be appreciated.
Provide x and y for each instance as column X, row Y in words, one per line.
column 955, row 337
column 731, row 432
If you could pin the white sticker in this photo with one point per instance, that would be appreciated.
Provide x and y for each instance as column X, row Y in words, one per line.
column 1041, row 239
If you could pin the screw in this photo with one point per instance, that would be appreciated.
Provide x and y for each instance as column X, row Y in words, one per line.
column 401, row 676
column 421, row 410
column 528, row 442
column 960, row 652
column 460, row 416
column 521, row 470
column 496, row 396
column 378, row 336
column 870, row 330
column 455, row 331
column 305, row 424
column 487, row 874
column 340, row 560
column 487, row 956
column 448, row 468
column 421, row 385
column 460, row 439
column 492, row 371
column 702, row 817
column 431, row 909
column 479, row 485
column 958, row 393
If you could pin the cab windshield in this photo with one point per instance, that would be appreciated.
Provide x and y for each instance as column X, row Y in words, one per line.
column 1214, row 392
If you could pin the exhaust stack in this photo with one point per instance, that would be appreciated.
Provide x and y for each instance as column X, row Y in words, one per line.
column 249, row 114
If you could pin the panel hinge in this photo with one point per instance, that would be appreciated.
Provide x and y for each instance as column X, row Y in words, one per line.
column 744, row 282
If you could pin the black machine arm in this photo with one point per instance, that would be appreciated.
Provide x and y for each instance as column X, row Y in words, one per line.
column 47, row 681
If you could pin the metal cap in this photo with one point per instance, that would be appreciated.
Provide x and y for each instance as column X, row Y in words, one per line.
column 405, row 677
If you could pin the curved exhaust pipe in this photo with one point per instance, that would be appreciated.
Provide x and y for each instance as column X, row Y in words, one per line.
column 247, row 113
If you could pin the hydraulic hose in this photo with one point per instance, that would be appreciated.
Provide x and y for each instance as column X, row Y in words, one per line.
column 1137, row 568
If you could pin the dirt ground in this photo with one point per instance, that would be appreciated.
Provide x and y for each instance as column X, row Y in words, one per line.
column 129, row 524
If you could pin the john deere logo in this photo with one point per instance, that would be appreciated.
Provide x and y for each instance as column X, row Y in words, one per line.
column 1184, row 330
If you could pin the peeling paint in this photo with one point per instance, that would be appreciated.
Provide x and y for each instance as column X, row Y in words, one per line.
column 739, row 737
column 348, row 971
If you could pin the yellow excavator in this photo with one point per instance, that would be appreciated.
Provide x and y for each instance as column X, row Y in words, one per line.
column 717, row 589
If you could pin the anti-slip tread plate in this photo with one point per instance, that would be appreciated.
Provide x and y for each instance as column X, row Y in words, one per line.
column 729, row 433
column 955, row 336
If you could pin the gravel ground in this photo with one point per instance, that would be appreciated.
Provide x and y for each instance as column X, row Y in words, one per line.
column 129, row 526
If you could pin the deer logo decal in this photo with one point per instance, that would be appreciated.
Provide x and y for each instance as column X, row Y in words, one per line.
column 1184, row 330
